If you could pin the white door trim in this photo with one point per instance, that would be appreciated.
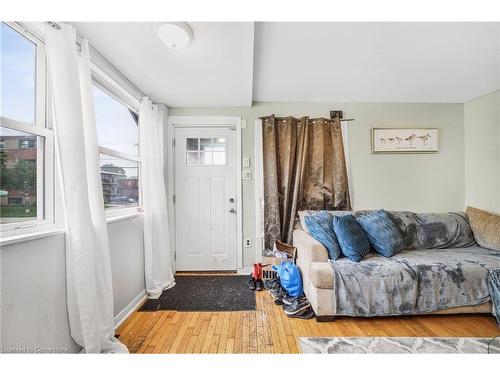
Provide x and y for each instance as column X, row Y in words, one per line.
column 209, row 122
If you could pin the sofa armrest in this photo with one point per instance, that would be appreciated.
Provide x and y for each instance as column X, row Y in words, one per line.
column 321, row 275
column 308, row 249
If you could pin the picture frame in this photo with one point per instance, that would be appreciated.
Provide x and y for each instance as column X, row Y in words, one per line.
column 404, row 140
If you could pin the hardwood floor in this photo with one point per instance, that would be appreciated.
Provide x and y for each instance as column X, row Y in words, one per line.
column 269, row 330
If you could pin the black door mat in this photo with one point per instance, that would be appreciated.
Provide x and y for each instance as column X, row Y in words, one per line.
column 205, row 293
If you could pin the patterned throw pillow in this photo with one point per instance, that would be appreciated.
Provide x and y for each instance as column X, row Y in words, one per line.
column 320, row 227
column 352, row 239
column 382, row 233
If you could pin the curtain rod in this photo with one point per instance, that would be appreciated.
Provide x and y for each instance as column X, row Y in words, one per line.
column 331, row 118
column 54, row 25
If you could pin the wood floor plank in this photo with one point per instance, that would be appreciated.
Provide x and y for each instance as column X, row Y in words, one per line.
column 167, row 316
column 224, row 332
column 245, row 333
column 174, row 348
column 188, row 333
column 210, row 334
column 269, row 330
column 238, row 340
column 203, row 332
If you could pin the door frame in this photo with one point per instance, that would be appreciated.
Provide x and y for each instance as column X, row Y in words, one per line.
column 232, row 122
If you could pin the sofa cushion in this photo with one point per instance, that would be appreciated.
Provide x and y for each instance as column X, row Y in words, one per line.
column 486, row 227
column 432, row 230
column 352, row 239
column 382, row 233
column 320, row 227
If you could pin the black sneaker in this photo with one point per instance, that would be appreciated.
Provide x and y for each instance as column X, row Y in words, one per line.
column 278, row 293
column 297, row 306
column 305, row 314
column 252, row 284
column 259, row 286
column 271, row 283
column 289, row 300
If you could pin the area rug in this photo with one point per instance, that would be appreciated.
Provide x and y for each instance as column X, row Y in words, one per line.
column 205, row 293
column 403, row 345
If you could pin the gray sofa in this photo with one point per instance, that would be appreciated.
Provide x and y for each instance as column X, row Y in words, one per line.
column 442, row 270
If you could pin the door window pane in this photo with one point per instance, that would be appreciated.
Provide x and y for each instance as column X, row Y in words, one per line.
column 120, row 182
column 192, row 158
column 219, row 158
column 192, row 144
column 205, row 158
column 18, row 175
column 18, row 72
column 116, row 125
column 212, row 151
column 206, row 144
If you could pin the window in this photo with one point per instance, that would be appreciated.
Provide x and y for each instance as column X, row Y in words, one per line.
column 118, row 139
column 26, row 142
column 206, row 151
column 116, row 124
column 18, row 76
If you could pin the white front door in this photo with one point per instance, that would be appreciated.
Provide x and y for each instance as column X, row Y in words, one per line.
column 205, row 199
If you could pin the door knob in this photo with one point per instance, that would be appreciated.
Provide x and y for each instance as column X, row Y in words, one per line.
column 232, row 210
column 231, row 200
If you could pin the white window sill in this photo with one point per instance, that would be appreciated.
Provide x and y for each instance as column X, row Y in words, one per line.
column 123, row 216
column 57, row 230
column 17, row 238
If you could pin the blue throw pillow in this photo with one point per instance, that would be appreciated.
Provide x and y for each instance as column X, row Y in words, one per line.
column 383, row 234
column 320, row 227
column 352, row 239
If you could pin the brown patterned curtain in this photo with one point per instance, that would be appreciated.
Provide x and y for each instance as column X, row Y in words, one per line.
column 304, row 169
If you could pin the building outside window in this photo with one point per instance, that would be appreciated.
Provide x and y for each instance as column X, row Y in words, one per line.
column 26, row 140
column 118, row 139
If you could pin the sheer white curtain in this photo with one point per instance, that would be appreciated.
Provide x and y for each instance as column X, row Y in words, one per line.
column 88, row 266
column 157, row 256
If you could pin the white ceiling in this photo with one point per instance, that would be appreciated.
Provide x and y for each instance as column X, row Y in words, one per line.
column 306, row 62
column 376, row 62
column 215, row 70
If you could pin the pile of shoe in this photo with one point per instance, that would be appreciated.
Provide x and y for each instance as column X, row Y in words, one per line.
column 255, row 284
column 294, row 307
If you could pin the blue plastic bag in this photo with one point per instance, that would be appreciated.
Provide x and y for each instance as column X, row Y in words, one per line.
column 290, row 278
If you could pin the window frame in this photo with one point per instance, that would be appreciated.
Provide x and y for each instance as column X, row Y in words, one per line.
column 42, row 129
column 109, row 86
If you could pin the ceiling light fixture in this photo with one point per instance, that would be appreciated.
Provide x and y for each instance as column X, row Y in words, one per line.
column 175, row 35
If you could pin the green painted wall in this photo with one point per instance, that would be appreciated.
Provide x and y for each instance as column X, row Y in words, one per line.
column 482, row 152
column 419, row 182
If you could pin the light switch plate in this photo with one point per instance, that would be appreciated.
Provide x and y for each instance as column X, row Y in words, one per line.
column 246, row 174
column 245, row 161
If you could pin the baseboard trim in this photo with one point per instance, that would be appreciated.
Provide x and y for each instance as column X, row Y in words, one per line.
column 130, row 308
column 244, row 271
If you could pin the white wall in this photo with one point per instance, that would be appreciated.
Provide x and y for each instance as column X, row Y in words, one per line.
column 33, row 285
column 419, row 182
column 482, row 152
